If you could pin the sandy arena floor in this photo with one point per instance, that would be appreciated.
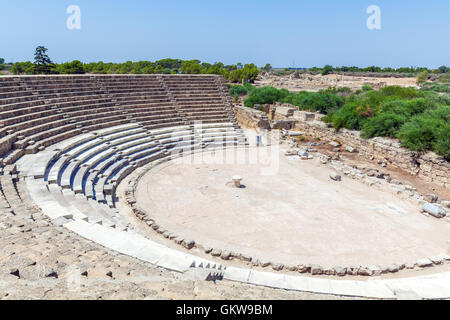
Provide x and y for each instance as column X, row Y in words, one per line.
column 289, row 212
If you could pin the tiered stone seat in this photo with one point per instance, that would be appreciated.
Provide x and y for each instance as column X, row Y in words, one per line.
column 55, row 108
column 14, row 199
column 74, row 139
column 144, row 99
column 198, row 98
column 97, row 164
column 90, row 132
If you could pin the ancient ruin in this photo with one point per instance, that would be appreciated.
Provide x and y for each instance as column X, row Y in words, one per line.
column 135, row 165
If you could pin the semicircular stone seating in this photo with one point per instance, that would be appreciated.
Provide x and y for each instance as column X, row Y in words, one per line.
column 68, row 141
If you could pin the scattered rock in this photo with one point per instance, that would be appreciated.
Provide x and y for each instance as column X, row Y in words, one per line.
column 393, row 268
column 208, row 250
column 277, row 267
column 340, row 271
column 188, row 244
column 384, row 269
column 304, row 268
column 437, row 259
column 424, row 263
column 292, row 268
column 445, row 204
column 365, row 272
column 325, row 159
column 264, row 264
column 372, row 173
column 335, row 144
column 376, row 271
column 329, row 271
column 431, row 198
column 434, row 210
column 336, row 177
column 245, row 258
column 226, row 255
column 5, row 225
column 179, row 240
column 255, row 263
column 216, row 253
column 353, row 271
column 316, row 270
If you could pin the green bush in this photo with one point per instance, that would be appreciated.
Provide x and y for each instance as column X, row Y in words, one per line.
column 265, row 95
column 74, row 67
column 238, row 91
column 322, row 101
column 327, row 70
column 428, row 131
column 442, row 145
column 383, row 124
column 350, row 116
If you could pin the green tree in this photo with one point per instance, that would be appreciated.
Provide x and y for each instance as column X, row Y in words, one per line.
column 74, row 67
column 443, row 69
column 42, row 63
column 327, row 70
column 422, row 77
column 22, row 68
column 249, row 73
column 267, row 67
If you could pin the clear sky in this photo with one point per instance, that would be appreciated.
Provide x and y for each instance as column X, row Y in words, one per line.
column 311, row 33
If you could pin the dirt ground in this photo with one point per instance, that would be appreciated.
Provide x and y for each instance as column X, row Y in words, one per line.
column 353, row 159
column 307, row 82
column 289, row 211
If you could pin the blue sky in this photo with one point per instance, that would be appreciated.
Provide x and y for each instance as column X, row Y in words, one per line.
column 311, row 33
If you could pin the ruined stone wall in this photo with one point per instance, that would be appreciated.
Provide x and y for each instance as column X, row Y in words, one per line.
column 429, row 166
column 251, row 118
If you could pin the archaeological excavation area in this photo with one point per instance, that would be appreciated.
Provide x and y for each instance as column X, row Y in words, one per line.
column 165, row 170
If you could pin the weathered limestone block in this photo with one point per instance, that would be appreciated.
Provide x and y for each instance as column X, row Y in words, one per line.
column 434, row 210
column 425, row 262
column 188, row 244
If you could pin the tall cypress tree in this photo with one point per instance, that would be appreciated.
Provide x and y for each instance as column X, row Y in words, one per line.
column 42, row 62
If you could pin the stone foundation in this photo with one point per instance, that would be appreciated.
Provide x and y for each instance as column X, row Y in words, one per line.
column 251, row 118
column 429, row 166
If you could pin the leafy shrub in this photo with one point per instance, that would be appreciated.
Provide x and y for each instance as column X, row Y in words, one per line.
column 428, row 131
column 384, row 124
column 265, row 95
column 238, row 91
column 350, row 116
column 322, row 102
column 442, row 145
column 74, row 67
column 400, row 92
column 327, row 70
column 422, row 77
